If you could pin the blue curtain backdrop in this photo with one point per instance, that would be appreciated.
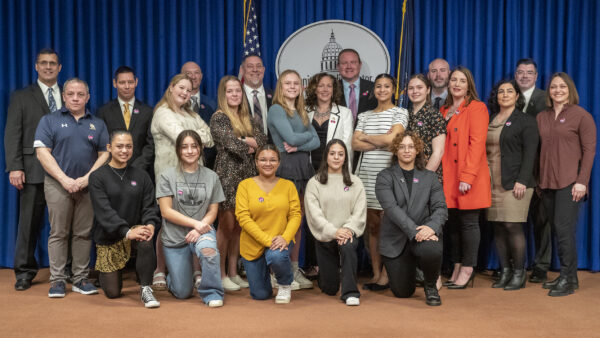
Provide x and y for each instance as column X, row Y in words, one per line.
column 94, row 37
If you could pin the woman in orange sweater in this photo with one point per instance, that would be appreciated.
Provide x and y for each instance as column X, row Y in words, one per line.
column 466, row 173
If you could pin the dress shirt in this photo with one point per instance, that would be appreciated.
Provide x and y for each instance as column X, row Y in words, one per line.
column 527, row 95
column 55, row 93
column 443, row 97
column 122, row 105
column 356, row 90
column 263, row 103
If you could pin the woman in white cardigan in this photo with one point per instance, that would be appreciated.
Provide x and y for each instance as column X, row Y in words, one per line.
column 329, row 119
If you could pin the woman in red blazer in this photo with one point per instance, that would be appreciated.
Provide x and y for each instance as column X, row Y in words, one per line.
column 466, row 174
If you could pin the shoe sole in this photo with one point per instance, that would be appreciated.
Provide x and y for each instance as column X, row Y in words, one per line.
column 434, row 303
column 282, row 301
column 56, row 295
column 152, row 305
column 78, row 290
column 561, row 294
column 353, row 304
column 215, row 304
column 159, row 286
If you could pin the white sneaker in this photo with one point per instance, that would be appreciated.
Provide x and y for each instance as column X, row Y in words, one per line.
column 215, row 303
column 284, row 294
column 352, row 301
column 239, row 281
column 302, row 281
column 197, row 279
column 229, row 285
column 295, row 286
column 148, row 297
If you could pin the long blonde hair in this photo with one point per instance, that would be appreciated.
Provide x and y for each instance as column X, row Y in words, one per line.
column 240, row 121
column 279, row 99
column 167, row 98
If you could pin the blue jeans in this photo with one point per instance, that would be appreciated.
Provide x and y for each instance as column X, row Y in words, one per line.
column 259, row 278
column 179, row 264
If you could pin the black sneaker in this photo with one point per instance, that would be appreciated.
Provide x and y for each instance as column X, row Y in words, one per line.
column 432, row 297
column 85, row 288
column 148, row 297
column 57, row 290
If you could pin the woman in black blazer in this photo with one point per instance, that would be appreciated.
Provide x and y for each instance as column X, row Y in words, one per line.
column 512, row 143
column 414, row 211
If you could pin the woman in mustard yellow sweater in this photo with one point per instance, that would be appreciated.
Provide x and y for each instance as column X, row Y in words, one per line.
column 268, row 211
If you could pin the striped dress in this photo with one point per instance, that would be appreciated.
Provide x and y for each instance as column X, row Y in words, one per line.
column 372, row 162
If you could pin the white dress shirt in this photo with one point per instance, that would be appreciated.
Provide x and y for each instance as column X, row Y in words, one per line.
column 527, row 96
column 262, row 99
column 55, row 93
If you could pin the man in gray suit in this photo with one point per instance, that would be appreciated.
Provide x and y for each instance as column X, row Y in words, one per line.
column 526, row 75
column 26, row 108
column 414, row 210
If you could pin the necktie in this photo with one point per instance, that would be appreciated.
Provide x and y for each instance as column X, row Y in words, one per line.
column 438, row 101
column 51, row 102
column 352, row 101
column 257, row 112
column 126, row 115
column 194, row 103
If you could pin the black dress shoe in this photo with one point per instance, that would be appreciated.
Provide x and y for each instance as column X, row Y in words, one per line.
column 432, row 297
column 551, row 284
column 517, row 281
column 22, row 284
column 562, row 288
column 538, row 276
column 375, row 286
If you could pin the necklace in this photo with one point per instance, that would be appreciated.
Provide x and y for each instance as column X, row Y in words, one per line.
column 192, row 189
column 116, row 173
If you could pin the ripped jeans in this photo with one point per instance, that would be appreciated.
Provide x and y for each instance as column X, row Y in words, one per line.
column 179, row 264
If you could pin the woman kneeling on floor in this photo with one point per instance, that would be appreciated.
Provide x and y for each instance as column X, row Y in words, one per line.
column 414, row 210
column 124, row 212
column 268, row 210
column 189, row 197
column 336, row 212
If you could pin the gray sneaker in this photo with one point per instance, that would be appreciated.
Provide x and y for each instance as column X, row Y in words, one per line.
column 85, row 288
column 148, row 297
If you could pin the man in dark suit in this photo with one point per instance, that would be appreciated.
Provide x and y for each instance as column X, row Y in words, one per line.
column 203, row 105
column 27, row 106
column 259, row 98
column 128, row 113
column 415, row 210
column 535, row 101
column 438, row 73
column 358, row 93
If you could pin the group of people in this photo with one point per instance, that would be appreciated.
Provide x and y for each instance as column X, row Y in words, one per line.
column 215, row 180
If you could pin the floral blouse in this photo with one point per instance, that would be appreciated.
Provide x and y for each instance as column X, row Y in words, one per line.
column 428, row 123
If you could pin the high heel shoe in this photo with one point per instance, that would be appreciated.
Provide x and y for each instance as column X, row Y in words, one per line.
column 505, row 278
column 464, row 286
column 517, row 281
column 448, row 283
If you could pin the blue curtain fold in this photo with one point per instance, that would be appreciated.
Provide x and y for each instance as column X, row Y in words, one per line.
column 155, row 37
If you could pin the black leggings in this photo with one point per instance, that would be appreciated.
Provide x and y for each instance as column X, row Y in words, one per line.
column 145, row 263
column 463, row 226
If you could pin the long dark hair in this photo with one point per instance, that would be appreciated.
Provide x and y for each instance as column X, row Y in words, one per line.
column 179, row 142
column 419, row 146
column 322, row 174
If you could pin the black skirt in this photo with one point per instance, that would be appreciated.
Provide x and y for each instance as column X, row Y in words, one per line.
column 296, row 167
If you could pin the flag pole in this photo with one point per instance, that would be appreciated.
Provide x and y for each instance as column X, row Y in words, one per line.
column 399, row 52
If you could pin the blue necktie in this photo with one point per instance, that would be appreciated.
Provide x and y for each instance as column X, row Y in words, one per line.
column 51, row 102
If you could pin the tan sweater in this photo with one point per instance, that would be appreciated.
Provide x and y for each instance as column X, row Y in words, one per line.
column 334, row 205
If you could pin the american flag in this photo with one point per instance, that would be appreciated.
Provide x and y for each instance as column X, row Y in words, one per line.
column 251, row 39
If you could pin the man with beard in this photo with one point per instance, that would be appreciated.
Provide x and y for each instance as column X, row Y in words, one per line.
column 438, row 74
column 259, row 98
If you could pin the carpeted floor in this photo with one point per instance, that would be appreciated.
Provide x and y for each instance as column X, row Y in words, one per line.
column 477, row 312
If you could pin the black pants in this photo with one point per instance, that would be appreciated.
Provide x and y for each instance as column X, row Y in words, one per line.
column 563, row 214
column 330, row 257
column 463, row 226
column 145, row 263
column 542, row 233
column 31, row 220
column 426, row 255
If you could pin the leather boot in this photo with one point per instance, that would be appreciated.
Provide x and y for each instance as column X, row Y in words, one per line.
column 505, row 276
column 572, row 279
column 562, row 288
column 517, row 281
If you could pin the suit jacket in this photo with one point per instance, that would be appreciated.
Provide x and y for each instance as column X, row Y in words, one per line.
column 340, row 127
column 366, row 99
column 537, row 102
column 139, row 127
column 403, row 213
column 269, row 99
column 207, row 108
column 519, row 141
column 26, row 108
